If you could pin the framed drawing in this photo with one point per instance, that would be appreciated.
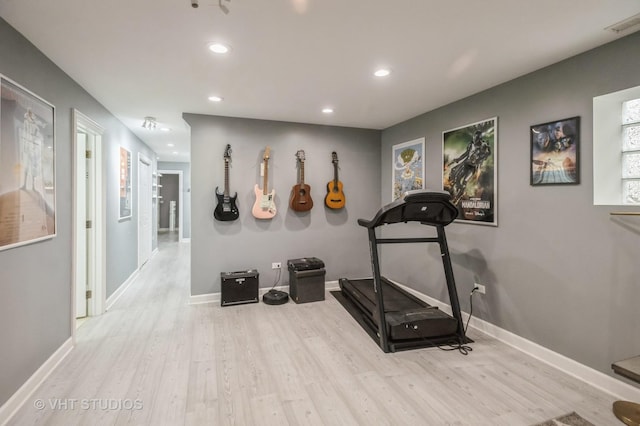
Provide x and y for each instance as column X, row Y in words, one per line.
column 408, row 167
column 555, row 148
column 124, row 186
column 27, row 166
column 470, row 172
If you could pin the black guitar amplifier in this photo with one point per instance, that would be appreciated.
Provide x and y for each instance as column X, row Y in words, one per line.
column 239, row 287
column 306, row 279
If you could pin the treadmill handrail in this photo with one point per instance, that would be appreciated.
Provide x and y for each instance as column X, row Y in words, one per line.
column 424, row 206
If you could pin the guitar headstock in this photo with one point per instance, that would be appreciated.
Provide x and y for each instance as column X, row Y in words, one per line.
column 334, row 157
column 227, row 153
column 267, row 151
column 300, row 155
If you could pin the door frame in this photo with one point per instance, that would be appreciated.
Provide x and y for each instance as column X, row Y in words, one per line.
column 180, row 201
column 96, row 305
column 149, row 198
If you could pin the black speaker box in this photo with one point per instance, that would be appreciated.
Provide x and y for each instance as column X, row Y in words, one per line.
column 239, row 287
column 306, row 279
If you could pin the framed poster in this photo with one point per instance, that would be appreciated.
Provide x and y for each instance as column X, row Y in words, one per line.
column 408, row 167
column 555, row 150
column 124, row 186
column 27, row 166
column 470, row 172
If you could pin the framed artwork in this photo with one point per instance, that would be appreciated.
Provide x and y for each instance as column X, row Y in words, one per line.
column 27, row 166
column 124, row 186
column 470, row 172
column 408, row 167
column 555, row 148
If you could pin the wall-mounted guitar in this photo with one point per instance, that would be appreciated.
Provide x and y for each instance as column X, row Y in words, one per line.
column 335, row 198
column 226, row 210
column 300, row 199
column 264, row 206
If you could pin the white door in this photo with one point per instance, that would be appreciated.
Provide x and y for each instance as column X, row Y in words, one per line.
column 85, row 221
column 89, row 211
column 145, row 223
column 81, row 220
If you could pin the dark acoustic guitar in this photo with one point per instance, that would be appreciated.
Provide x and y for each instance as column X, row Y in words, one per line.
column 300, row 199
column 226, row 210
column 335, row 198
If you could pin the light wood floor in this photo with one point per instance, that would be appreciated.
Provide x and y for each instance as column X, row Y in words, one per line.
column 155, row 360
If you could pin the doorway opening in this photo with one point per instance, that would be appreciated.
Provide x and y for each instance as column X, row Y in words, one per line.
column 170, row 206
column 89, row 230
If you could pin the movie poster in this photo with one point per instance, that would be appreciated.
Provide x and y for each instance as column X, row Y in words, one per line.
column 408, row 167
column 469, row 171
column 554, row 152
column 27, row 166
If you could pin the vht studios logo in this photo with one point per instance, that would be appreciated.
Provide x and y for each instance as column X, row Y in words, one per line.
column 104, row 404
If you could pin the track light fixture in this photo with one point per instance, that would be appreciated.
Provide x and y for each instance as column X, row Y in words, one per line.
column 149, row 123
column 223, row 8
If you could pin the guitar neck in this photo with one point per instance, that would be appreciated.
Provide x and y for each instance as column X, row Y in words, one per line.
column 301, row 172
column 335, row 174
column 266, row 177
column 226, row 178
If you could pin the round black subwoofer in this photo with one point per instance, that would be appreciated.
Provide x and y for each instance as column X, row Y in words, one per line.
column 275, row 297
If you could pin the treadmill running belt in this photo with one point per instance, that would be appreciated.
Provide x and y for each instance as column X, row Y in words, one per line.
column 407, row 317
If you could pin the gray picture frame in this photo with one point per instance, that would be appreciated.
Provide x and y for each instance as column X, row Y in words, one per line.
column 27, row 166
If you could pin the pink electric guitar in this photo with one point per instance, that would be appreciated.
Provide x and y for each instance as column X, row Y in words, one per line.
column 265, row 206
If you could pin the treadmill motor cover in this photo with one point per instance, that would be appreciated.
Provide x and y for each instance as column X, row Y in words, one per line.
column 420, row 323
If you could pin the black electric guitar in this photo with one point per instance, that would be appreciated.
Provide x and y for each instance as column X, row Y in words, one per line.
column 300, row 199
column 335, row 198
column 226, row 210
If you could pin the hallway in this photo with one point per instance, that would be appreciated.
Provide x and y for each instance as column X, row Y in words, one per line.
column 121, row 356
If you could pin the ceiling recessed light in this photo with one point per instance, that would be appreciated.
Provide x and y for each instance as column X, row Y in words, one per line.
column 327, row 110
column 382, row 72
column 170, row 145
column 215, row 98
column 165, row 129
column 218, row 48
column 175, row 152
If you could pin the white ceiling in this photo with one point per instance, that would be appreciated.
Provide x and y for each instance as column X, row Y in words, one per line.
column 291, row 58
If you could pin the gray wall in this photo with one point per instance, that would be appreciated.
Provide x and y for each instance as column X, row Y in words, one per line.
column 122, row 235
column 186, row 192
column 35, row 280
column 332, row 236
column 558, row 270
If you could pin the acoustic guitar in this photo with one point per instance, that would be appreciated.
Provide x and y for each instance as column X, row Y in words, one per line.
column 300, row 199
column 264, row 206
column 226, row 210
column 335, row 198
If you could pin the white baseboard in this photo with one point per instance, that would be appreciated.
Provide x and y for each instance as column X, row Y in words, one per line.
column 121, row 290
column 331, row 285
column 216, row 297
column 204, row 298
column 595, row 378
column 22, row 395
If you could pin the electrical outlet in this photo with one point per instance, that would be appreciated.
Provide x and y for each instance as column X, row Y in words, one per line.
column 480, row 288
column 276, row 265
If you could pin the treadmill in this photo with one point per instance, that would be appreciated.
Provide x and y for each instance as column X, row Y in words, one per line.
column 393, row 317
